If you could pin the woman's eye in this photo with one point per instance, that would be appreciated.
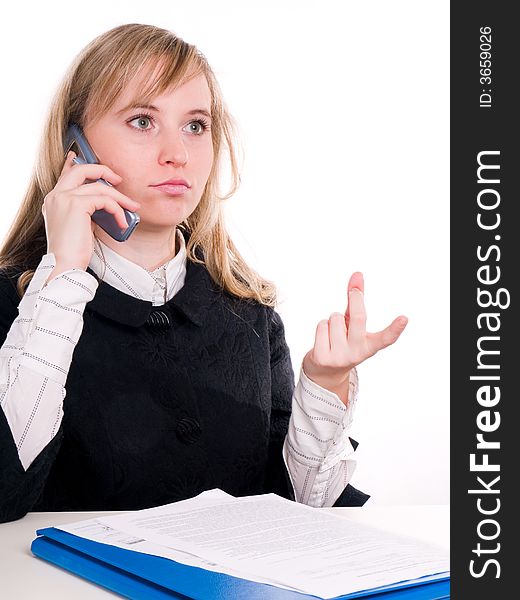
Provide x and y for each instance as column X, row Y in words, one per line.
column 197, row 127
column 142, row 122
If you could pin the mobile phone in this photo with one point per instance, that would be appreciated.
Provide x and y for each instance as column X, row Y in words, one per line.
column 76, row 141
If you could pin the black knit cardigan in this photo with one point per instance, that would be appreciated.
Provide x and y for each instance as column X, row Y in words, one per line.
column 154, row 414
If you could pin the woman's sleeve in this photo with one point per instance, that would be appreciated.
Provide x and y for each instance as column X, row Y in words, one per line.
column 38, row 339
column 309, row 428
column 318, row 449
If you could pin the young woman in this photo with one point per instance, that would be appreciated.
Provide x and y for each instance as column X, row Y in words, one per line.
column 138, row 373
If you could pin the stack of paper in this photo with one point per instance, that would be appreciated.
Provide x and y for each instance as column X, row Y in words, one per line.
column 219, row 546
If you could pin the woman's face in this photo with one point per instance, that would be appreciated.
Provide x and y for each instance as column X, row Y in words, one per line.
column 147, row 145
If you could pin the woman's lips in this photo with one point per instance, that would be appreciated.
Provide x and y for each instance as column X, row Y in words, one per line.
column 171, row 189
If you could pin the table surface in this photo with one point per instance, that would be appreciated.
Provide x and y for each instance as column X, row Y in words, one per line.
column 24, row 576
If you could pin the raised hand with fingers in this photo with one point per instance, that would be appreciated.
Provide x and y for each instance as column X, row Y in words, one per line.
column 342, row 342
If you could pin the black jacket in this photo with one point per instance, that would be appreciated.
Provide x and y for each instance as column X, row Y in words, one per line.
column 153, row 415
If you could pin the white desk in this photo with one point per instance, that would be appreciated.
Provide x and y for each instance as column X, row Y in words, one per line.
column 24, row 576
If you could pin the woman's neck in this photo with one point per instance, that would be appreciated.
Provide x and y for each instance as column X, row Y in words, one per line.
column 144, row 248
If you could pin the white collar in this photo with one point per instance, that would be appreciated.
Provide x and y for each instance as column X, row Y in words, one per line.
column 157, row 286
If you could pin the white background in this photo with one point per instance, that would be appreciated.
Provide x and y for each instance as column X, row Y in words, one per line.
column 343, row 110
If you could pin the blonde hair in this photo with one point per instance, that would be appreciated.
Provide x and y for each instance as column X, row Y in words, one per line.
column 92, row 84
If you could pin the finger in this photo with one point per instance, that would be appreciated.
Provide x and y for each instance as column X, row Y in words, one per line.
column 337, row 331
column 75, row 175
column 386, row 337
column 321, row 340
column 68, row 164
column 110, row 206
column 358, row 317
column 101, row 189
column 355, row 281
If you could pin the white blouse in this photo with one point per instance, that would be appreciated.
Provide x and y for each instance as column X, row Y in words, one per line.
column 33, row 373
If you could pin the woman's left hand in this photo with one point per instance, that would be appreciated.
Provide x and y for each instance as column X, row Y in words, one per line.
column 342, row 342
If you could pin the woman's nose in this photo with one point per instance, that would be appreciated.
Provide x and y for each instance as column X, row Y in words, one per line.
column 173, row 150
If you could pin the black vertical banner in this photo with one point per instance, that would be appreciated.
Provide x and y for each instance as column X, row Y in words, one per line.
column 485, row 267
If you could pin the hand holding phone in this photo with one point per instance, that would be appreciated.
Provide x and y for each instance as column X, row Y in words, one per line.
column 76, row 141
column 68, row 209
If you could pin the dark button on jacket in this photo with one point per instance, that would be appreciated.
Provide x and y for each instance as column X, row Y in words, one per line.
column 188, row 430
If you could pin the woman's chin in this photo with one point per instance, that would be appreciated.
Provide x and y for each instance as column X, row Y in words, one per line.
column 164, row 217
column 159, row 224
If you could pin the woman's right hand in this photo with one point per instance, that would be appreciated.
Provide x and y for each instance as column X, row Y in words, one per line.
column 68, row 207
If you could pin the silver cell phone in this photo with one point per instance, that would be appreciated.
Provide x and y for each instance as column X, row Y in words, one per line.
column 76, row 141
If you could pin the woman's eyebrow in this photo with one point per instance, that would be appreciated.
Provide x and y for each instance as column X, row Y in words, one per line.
column 135, row 105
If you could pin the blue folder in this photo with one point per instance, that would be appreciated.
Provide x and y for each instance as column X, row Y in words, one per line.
column 145, row 577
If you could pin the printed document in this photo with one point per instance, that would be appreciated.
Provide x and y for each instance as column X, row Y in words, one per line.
column 269, row 539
